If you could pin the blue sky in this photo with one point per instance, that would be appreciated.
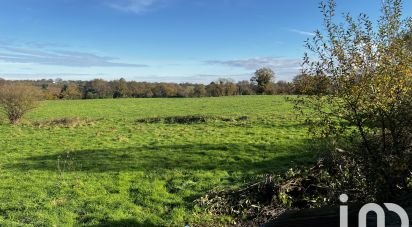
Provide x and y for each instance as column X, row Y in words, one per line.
column 159, row 40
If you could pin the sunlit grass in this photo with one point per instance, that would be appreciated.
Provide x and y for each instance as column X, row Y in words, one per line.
column 116, row 171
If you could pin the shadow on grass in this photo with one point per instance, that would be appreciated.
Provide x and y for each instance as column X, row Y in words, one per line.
column 124, row 223
column 253, row 158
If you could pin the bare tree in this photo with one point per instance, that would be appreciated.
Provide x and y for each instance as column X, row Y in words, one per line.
column 16, row 100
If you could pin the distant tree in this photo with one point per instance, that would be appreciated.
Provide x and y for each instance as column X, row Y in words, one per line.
column 262, row 78
column 311, row 85
column 284, row 88
column 134, row 89
column 227, row 86
column 98, row 88
column 231, row 89
column 170, row 89
column 199, row 91
column 120, row 88
column 321, row 85
column 52, row 92
column 147, row 90
column 164, row 90
column 214, row 90
column 16, row 100
column 2, row 81
column 70, row 91
column 270, row 89
column 58, row 80
column 184, row 90
column 302, row 84
column 148, row 93
column 245, row 88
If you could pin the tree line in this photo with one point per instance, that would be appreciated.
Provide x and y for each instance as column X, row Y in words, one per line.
column 262, row 82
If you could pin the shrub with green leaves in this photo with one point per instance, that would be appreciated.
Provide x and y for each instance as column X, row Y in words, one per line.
column 368, row 114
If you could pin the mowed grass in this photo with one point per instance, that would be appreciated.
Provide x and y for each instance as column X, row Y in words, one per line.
column 116, row 171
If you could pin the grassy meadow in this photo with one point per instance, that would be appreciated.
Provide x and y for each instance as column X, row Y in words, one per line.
column 107, row 169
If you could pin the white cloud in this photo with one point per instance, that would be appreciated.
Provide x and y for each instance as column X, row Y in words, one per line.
column 197, row 78
column 254, row 63
column 136, row 6
column 284, row 68
column 58, row 58
column 38, row 76
column 300, row 32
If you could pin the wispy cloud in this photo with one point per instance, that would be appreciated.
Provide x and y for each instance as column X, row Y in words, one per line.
column 30, row 44
column 38, row 76
column 254, row 63
column 197, row 78
column 285, row 68
column 59, row 58
column 300, row 32
column 137, row 6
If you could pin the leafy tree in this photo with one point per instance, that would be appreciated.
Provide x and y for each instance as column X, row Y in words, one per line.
column 305, row 84
column 214, row 90
column 70, row 91
column 199, row 91
column 270, row 89
column 263, row 78
column 16, row 100
column 185, row 90
column 368, row 114
column 148, row 93
column 227, row 87
column 52, row 92
column 120, row 89
column 283, row 87
column 245, row 88
column 302, row 84
column 408, row 40
column 164, row 90
column 98, row 88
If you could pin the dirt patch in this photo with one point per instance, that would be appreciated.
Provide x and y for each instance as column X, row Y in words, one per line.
column 191, row 119
column 64, row 122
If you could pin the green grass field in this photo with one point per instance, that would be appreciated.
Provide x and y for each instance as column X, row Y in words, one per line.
column 115, row 171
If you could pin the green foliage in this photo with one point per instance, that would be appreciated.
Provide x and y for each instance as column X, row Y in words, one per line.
column 369, row 110
column 88, row 163
column 70, row 91
column 305, row 84
column 263, row 79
